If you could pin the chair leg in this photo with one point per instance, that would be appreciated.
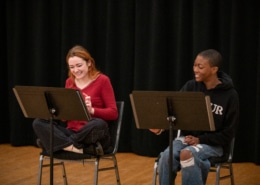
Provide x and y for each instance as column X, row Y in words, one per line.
column 155, row 173
column 64, row 174
column 96, row 171
column 231, row 174
column 40, row 170
column 116, row 170
column 218, row 173
column 41, row 165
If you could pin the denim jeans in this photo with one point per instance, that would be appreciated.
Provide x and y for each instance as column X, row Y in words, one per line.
column 192, row 174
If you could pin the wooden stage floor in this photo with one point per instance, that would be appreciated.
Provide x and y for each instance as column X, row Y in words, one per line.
column 19, row 166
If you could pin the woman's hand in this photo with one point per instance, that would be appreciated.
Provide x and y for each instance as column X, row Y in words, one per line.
column 88, row 103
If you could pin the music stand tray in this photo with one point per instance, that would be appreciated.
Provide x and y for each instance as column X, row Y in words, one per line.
column 192, row 110
column 35, row 102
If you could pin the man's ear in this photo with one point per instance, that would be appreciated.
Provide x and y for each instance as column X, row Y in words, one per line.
column 215, row 69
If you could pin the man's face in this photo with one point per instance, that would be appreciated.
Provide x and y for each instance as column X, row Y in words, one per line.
column 202, row 70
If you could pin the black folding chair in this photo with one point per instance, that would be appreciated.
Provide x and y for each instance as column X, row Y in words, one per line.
column 109, row 154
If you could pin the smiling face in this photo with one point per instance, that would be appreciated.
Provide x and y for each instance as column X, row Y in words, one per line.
column 78, row 67
column 203, row 72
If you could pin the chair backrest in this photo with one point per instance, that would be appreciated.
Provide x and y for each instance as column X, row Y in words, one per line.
column 115, row 127
column 232, row 144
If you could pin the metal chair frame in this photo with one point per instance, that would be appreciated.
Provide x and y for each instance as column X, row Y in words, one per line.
column 115, row 128
column 227, row 164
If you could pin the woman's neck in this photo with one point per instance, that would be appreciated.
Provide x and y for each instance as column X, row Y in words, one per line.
column 83, row 82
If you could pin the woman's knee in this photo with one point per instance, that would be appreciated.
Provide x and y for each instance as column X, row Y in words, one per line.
column 97, row 123
column 36, row 122
column 39, row 124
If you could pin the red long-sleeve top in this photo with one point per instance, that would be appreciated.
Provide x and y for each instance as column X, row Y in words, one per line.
column 102, row 100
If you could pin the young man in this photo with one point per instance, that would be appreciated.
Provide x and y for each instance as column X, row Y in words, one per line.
column 192, row 149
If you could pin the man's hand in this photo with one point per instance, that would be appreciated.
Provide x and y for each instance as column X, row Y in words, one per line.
column 155, row 130
column 191, row 140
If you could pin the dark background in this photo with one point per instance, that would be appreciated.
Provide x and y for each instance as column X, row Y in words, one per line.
column 140, row 45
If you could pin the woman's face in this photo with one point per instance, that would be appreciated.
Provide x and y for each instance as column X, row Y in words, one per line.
column 78, row 67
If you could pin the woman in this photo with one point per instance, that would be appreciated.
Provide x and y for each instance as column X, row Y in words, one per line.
column 82, row 136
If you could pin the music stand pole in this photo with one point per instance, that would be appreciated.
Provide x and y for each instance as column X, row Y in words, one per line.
column 51, row 147
column 171, row 124
column 52, row 111
column 171, row 120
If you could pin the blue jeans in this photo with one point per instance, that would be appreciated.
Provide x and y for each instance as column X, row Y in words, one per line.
column 194, row 172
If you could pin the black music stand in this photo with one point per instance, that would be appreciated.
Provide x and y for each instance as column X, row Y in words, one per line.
column 51, row 103
column 181, row 110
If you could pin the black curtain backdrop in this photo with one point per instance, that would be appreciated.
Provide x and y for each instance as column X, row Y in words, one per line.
column 140, row 45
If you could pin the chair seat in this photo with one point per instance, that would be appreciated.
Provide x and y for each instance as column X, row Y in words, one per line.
column 67, row 155
column 216, row 160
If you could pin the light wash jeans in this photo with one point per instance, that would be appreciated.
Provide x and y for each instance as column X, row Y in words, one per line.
column 195, row 174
